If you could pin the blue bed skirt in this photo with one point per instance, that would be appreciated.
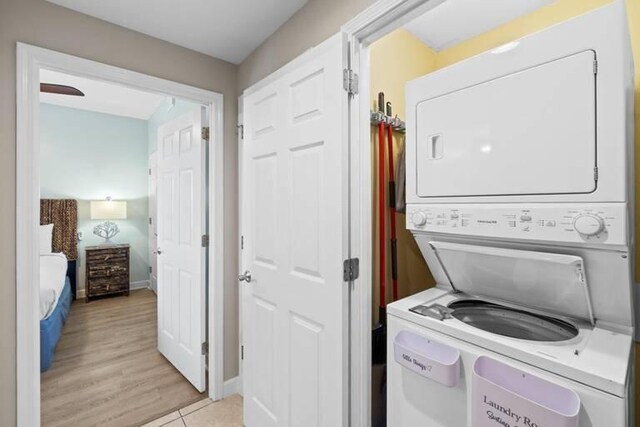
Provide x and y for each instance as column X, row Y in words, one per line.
column 51, row 327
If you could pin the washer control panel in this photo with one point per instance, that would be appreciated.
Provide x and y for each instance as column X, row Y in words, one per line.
column 591, row 223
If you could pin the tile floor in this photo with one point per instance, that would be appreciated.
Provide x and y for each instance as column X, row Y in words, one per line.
column 205, row 413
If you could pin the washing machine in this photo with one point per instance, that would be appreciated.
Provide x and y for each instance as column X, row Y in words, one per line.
column 519, row 196
column 510, row 337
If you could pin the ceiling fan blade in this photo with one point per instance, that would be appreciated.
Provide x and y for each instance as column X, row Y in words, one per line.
column 60, row 89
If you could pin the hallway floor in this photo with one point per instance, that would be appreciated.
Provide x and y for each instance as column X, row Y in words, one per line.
column 205, row 413
column 107, row 370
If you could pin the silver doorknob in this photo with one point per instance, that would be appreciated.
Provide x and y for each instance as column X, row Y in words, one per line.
column 158, row 251
column 246, row 277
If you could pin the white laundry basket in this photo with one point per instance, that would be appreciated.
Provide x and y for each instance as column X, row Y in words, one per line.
column 428, row 358
column 504, row 395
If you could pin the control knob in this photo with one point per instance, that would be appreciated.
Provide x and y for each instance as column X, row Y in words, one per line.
column 419, row 218
column 588, row 224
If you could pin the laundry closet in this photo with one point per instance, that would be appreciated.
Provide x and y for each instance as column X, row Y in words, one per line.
column 395, row 59
column 506, row 208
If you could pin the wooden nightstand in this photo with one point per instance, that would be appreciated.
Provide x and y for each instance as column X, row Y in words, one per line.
column 107, row 271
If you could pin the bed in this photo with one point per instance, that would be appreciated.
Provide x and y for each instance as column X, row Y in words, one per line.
column 57, row 273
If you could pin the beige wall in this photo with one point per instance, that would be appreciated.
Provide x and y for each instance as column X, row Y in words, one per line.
column 43, row 24
column 314, row 23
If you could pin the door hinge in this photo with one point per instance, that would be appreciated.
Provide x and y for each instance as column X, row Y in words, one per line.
column 350, row 81
column 150, row 221
column 595, row 173
column 351, row 269
column 204, row 349
column 241, row 242
column 149, row 171
column 205, row 133
column 150, row 269
column 241, row 352
column 205, row 240
column 240, row 129
column 595, row 66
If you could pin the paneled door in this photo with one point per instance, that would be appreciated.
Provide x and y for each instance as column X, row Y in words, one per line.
column 181, row 273
column 294, row 219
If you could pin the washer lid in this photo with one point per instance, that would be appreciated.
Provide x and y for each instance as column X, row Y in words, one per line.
column 550, row 282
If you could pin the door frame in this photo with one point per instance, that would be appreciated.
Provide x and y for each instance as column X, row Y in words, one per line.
column 373, row 23
column 370, row 25
column 240, row 235
column 30, row 59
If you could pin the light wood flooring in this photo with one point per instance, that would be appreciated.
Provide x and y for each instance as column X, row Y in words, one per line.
column 107, row 370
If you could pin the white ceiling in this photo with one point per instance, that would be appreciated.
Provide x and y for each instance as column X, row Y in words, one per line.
column 225, row 29
column 101, row 97
column 454, row 21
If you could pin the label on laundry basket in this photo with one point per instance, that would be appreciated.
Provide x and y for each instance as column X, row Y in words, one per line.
column 428, row 358
column 504, row 396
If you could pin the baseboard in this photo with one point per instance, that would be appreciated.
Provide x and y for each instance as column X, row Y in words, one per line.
column 140, row 284
column 232, row 386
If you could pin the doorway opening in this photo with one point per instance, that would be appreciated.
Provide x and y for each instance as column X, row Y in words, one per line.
column 123, row 172
column 391, row 46
column 99, row 165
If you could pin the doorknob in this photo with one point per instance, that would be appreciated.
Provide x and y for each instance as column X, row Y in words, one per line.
column 158, row 251
column 246, row 277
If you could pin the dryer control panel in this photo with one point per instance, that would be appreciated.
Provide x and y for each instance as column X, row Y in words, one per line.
column 584, row 223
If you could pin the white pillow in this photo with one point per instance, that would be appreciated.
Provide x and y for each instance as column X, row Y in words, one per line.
column 46, row 239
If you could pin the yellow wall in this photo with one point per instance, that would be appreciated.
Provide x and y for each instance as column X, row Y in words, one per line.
column 395, row 59
column 389, row 76
column 558, row 11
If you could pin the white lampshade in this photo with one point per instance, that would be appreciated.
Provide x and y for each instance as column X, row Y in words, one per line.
column 108, row 209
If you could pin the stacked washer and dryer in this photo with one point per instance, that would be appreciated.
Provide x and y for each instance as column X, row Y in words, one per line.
column 519, row 195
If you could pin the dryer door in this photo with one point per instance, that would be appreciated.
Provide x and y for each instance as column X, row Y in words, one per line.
column 526, row 133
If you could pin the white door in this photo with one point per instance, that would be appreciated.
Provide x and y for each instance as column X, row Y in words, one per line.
column 181, row 273
column 153, row 221
column 294, row 222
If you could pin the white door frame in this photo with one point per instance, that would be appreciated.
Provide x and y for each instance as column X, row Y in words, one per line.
column 30, row 60
column 373, row 23
column 240, row 137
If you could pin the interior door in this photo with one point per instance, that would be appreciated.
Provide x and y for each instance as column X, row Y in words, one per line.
column 181, row 273
column 294, row 222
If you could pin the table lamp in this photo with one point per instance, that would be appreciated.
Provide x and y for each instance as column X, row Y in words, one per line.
column 109, row 210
